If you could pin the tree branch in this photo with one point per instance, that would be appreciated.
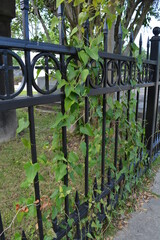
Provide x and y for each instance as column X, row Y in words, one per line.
column 139, row 21
column 36, row 10
column 130, row 10
column 117, row 28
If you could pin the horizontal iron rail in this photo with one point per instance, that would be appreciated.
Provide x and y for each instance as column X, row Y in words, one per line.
column 100, row 91
column 19, row 44
column 20, row 102
column 64, row 227
column 119, row 57
column 27, row 101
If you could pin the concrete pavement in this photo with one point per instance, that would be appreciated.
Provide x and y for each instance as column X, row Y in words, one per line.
column 144, row 225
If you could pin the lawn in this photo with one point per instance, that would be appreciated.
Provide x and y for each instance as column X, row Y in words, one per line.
column 14, row 156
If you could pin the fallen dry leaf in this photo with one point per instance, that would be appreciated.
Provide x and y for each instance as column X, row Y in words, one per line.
column 17, row 207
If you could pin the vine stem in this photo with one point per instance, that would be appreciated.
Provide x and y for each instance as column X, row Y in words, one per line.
column 14, row 218
column 78, row 119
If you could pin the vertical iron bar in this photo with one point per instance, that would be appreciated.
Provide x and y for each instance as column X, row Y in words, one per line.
column 46, row 74
column 109, row 183
column 63, row 72
column 148, row 48
column 86, row 35
column 78, row 230
column 120, row 168
column 153, row 92
column 156, row 127
column 55, row 225
column 86, row 42
column 5, row 60
column 118, row 97
column 23, row 236
column 25, row 8
column 2, row 237
column 139, row 76
column 105, row 32
column 129, row 91
column 145, row 91
column 95, row 187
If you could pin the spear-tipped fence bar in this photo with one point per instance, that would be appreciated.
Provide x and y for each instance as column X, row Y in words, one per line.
column 147, row 79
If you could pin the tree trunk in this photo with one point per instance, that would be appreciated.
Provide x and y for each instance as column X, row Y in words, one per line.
column 8, row 121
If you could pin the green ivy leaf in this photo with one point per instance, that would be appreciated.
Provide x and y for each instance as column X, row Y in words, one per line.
column 82, row 17
column 25, row 184
column 73, row 31
column 83, row 57
column 32, row 211
column 72, row 73
column 48, row 237
column 54, row 21
column 55, row 193
column 70, row 221
column 77, row 2
column 110, row 102
column 84, row 74
column 127, row 186
column 58, row 2
column 61, row 83
column 87, row 130
column 89, row 235
column 17, row 236
column 83, row 148
column 73, row 157
column 58, row 78
column 42, row 158
column 68, row 90
column 60, row 171
column 31, row 171
column 59, row 118
column 68, row 103
column 78, row 169
column 54, row 212
column 26, row 143
column 20, row 217
column 92, row 52
column 118, row 114
column 22, row 125
column 134, row 47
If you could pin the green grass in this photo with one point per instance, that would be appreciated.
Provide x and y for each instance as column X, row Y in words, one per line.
column 13, row 157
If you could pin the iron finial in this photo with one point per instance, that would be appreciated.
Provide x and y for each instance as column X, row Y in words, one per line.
column 86, row 24
column 140, row 39
column 105, row 27
column 131, row 37
column 120, row 33
column 23, row 235
column 24, row 4
column 156, row 31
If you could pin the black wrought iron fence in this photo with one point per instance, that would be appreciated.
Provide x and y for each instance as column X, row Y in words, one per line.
column 118, row 71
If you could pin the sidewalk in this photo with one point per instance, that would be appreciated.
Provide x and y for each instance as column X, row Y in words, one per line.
column 144, row 225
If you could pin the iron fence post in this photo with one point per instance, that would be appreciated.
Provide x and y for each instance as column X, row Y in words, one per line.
column 152, row 103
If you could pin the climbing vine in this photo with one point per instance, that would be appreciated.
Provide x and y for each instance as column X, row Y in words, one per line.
column 87, row 65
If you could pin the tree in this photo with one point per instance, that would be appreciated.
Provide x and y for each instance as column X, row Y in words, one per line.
column 131, row 13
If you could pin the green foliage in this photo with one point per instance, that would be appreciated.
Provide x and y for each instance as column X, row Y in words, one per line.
column 31, row 171
column 22, row 125
column 75, row 92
